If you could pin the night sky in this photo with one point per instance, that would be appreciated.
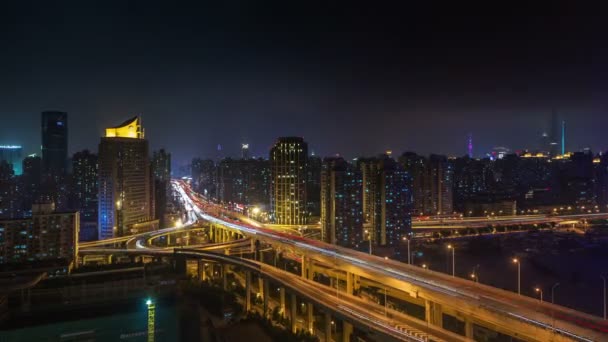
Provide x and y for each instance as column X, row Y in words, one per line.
column 350, row 80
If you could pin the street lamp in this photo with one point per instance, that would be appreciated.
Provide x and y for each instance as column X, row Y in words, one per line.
column 369, row 239
column 553, row 292
column 409, row 254
column 453, row 260
column 516, row 261
column 539, row 290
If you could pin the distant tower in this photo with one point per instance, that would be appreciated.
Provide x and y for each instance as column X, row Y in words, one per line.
column 245, row 151
column 563, row 137
column 554, row 137
column 470, row 145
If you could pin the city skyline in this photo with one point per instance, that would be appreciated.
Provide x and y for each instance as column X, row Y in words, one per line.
column 407, row 79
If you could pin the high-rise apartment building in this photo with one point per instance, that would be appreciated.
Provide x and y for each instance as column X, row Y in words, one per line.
column 288, row 161
column 47, row 235
column 161, row 171
column 393, row 203
column 440, row 183
column 54, row 142
column 125, row 189
column 84, row 192
column 369, row 170
column 341, row 203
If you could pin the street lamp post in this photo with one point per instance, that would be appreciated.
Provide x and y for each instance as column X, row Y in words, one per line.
column 409, row 254
column 539, row 290
column 369, row 240
column 453, row 260
column 553, row 292
column 516, row 261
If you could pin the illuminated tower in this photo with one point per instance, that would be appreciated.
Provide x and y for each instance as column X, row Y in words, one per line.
column 124, row 180
column 288, row 161
column 563, row 137
column 554, row 137
column 245, row 151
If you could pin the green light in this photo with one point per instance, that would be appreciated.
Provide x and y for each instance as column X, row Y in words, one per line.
column 148, row 302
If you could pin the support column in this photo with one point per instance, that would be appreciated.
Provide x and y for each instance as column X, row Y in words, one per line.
column 266, row 295
column 225, row 268
column 468, row 328
column 247, row 291
column 200, row 269
column 433, row 313
column 356, row 283
column 347, row 330
column 311, row 318
column 327, row 327
column 282, row 301
column 349, row 283
column 304, row 266
column 293, row 312
column 261, row 285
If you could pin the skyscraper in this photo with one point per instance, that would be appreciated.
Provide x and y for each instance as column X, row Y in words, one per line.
column 288, row 161
column 393, row 205
column 161, row 165
column 161, row 171
column 341, row 203
column 84, row 192
column 554, row 137
column 54, row 142
column 12, row 155
column 125, row 190
column 440, row 183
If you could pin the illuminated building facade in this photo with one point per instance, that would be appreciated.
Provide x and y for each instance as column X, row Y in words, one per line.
column 161, row 172
column 84, row 192
column 125, row 189
column 54, row 142
column 369, row 169
column 440, row 185
column 341, row 203
column 11, row 154
column 288, row 161
column 244, row 181
column 47, row 235
column 393, row 203
column 204, row 176
column 9, row 196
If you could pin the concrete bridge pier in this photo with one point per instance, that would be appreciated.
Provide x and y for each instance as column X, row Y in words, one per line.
column 225, row 269
column 328, row 327
column 200, row 270
column 347, row 330
column 311, row 318
column 282, row 301
column 247, row 291
column 266, row 295
column 293, row 312
column 433, row 313
column 468, row 328
column 353, row 283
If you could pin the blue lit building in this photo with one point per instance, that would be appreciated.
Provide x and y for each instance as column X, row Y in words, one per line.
column 12, row 155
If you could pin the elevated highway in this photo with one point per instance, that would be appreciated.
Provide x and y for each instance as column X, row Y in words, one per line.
column 518, row 316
